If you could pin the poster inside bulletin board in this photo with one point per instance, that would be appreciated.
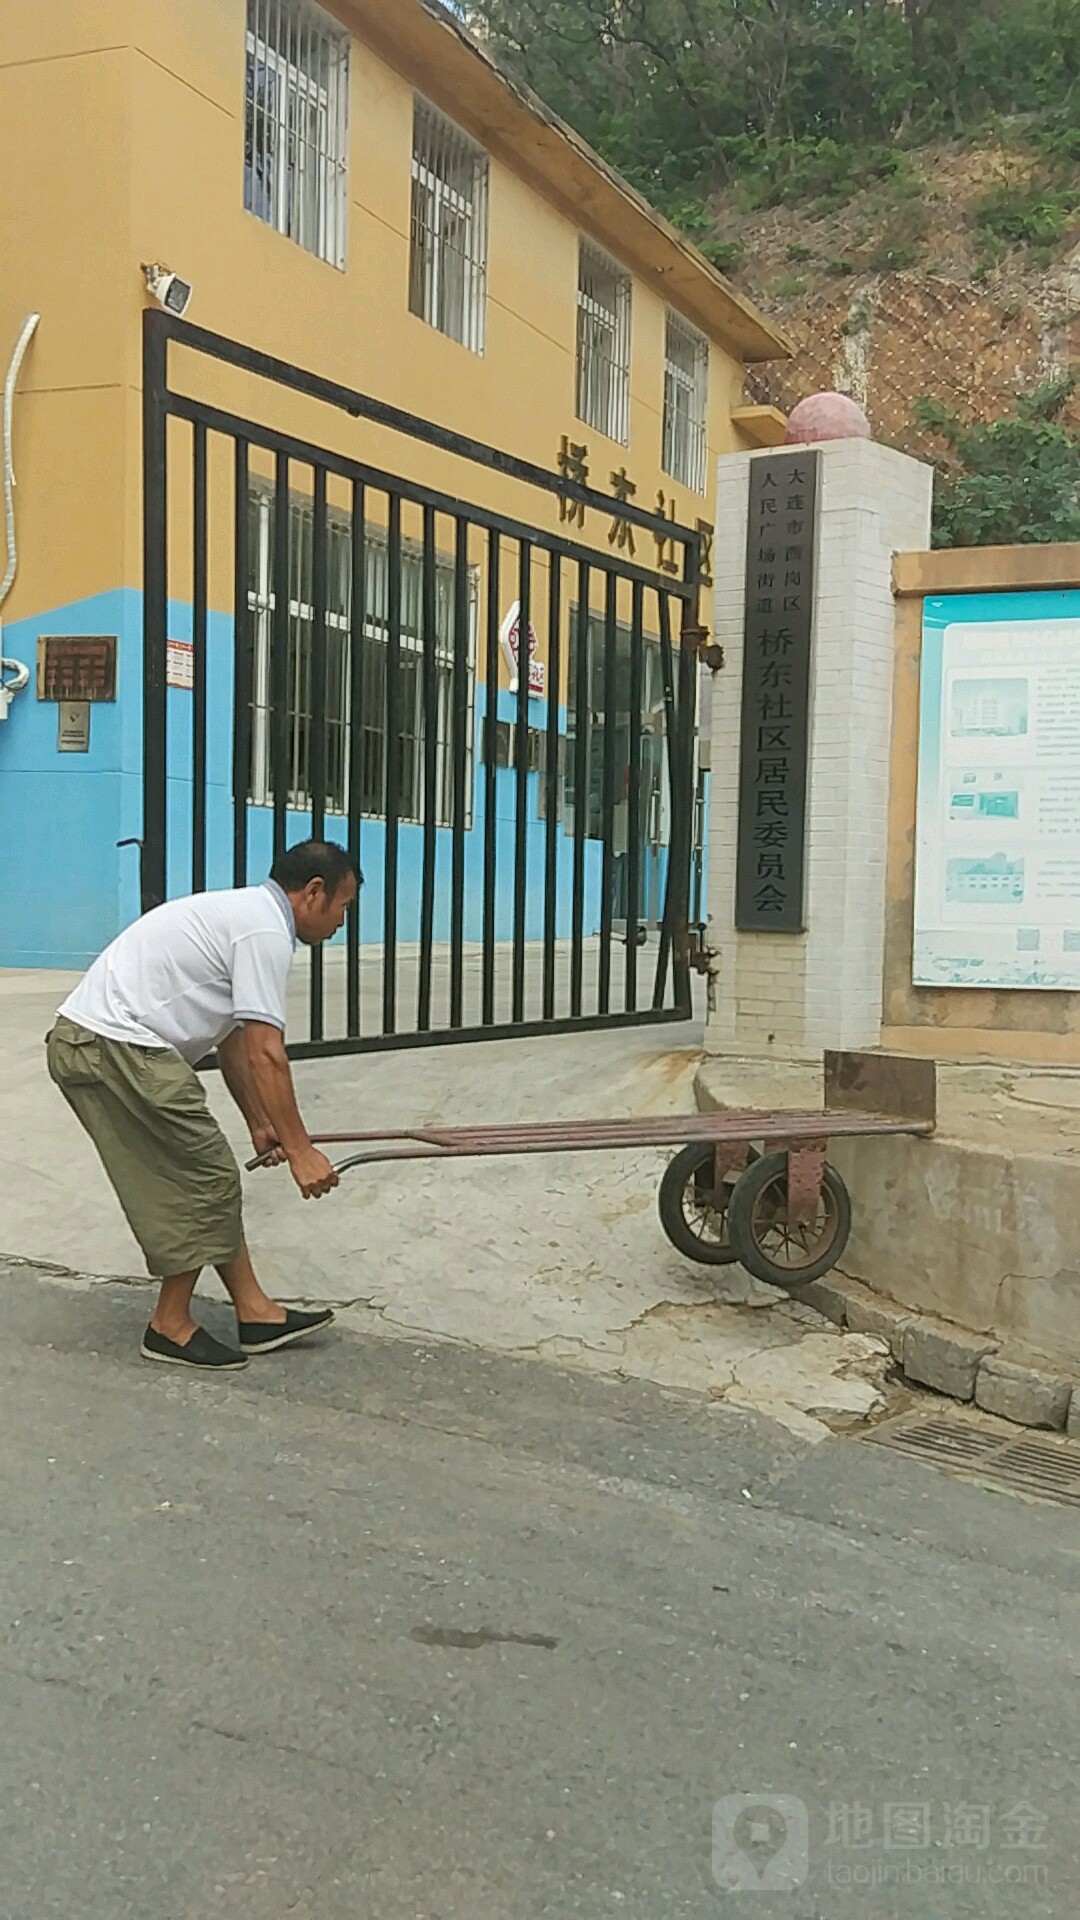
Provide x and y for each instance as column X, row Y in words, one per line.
column 997, row 868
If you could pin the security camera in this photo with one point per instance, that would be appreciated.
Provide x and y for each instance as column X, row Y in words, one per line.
column 168, row 289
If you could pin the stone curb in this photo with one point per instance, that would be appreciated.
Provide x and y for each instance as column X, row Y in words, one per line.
column 945, row 1358
column 950, row 1359
column 1023, row 1393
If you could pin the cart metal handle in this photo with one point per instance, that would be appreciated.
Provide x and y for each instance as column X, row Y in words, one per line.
column 430, row 1148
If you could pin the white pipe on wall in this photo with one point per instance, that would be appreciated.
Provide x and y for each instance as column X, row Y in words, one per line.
column 19, row 673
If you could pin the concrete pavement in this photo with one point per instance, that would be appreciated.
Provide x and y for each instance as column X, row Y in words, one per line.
column 504, row 1601
column 400, row 1628
column 560, row 1256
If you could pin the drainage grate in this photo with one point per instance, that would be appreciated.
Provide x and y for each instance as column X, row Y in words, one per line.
column 1042, row 1466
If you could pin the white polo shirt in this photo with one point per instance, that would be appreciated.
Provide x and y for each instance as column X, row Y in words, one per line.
column 190, row 972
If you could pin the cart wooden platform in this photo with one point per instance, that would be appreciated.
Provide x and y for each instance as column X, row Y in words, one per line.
column 748, row 1186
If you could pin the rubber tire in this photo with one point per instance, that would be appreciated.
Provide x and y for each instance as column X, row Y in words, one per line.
column 676, row 1178
column 748, row 1189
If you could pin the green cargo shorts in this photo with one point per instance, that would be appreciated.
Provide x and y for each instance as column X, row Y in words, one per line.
column 172, row 1168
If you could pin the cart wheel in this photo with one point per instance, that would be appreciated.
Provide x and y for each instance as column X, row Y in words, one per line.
column 693, row 1207
column 771, row 1247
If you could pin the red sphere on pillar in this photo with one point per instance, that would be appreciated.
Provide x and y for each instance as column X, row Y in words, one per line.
column 826, row 416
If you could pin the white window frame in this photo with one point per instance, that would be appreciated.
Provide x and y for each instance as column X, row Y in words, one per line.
column 686, row 404
column 448, row 239
column 261, row 603
column 296, row 124
column 604, row 302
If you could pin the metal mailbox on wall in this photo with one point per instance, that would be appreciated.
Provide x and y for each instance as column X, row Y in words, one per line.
column 775, row 727
column 76, row 671
column 76, row 666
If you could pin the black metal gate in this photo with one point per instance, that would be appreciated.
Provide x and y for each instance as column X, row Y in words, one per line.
column 322, row 621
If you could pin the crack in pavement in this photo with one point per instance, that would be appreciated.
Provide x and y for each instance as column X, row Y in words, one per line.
column 260, row 1740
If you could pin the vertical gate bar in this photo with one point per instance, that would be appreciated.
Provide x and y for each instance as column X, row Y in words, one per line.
column 243, row 663
column 521, row 779
column 633, row 811
column 581, row 774
column 430, row 708
column 392, row 759
column 607, row 881
column 317, row 739
column 491, row 721
column 697, row 890
column 317, row 720
column 198, row 658
column 682, row 825
column 279, row 655
column 459, row 743
column 667, row 674
column 357, row 636
column 155, row 610
column 551, row 782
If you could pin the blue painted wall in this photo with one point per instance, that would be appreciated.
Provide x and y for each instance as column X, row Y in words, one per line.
column 66, row 889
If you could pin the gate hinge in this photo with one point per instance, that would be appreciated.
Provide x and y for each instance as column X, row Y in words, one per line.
column 690, row 947
column 700, row 955
column 695, row 639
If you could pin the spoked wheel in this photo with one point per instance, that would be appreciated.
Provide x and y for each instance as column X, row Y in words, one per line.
column 771, row 1246
column 694, row 1206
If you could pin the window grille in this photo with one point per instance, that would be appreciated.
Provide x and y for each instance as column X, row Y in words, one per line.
column 448, row 249
column 296, row 124
column 686, row 389
column 593, row 720
column 603, row 344
column 339, row 641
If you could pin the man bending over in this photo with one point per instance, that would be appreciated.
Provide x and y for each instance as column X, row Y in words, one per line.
column 192, row 975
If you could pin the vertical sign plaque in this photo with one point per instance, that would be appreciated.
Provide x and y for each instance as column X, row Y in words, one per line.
column 775, row 730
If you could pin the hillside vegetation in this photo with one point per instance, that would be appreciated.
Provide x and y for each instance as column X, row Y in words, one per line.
column 898, row 181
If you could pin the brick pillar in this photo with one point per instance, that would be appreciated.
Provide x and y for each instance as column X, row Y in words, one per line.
column 788, row 996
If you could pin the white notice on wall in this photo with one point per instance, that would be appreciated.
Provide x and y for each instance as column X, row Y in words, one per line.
column 997, row 896
column 179, row 664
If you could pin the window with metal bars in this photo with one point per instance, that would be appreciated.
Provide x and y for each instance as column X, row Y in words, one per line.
column 296, row 109
column 448, row 250
column 686, row 399
column 603, row 344
column 373, row 667
column 594, row 720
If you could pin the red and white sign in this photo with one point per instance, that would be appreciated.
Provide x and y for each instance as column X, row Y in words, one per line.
column 510, row 642
column 180, row 664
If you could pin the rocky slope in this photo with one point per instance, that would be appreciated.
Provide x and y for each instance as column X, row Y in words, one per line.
column 907, row 291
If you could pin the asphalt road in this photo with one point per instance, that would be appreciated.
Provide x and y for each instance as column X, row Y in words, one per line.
column 415, row 1632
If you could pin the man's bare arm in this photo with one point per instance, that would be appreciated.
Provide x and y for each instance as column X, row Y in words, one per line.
column 272, row 1087
column 232, row 1056
column 235, row 1071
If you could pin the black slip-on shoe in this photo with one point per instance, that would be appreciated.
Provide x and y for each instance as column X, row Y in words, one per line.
column 202, row 1350
column 265, row 1336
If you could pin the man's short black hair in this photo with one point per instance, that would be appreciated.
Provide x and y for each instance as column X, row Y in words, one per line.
column 311, row 860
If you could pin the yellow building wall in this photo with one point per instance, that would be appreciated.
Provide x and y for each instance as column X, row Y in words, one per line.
column 121, row 141
column 65, row 111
